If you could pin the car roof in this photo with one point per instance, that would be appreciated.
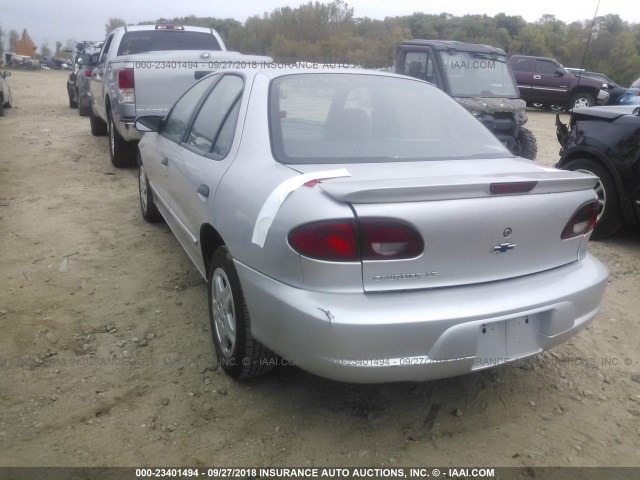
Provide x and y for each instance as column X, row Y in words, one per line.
column 274, row 69
column 455, row 45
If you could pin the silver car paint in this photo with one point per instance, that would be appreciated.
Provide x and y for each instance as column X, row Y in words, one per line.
column 319, row 313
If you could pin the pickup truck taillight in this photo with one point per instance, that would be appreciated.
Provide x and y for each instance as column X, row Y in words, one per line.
column 87, row 73
column 125, row 78
column 126, row 84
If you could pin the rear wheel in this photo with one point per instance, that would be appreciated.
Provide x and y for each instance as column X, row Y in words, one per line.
column 82, row 111
column 72, row 101
column 123, row 153
column 239, row 354
column 526, row 144
column 609, row 215
column 98, row 127
column 147, row 206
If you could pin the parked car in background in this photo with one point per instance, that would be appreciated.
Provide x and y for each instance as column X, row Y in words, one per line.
column 632, row 95
column 79, row 80
column 544, row 81
column 114, row 93
column 366, row 226
column 6, row 99
column 605, row 142
column 615, row 91
column 480, row 79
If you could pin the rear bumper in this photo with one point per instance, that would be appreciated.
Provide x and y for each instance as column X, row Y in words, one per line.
column 425, row 334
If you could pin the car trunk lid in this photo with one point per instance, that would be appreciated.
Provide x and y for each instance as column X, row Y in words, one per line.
column 481, row 220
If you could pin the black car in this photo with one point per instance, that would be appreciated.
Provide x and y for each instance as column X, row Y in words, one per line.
column 615, row 91
column 605, row 141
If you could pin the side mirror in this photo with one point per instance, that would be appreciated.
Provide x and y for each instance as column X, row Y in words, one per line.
column 560, row 72
column 93, row 59
column 149, row 123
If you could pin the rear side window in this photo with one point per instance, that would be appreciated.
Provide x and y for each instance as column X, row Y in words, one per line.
column 179, row 116
column 521, row 65
column 213, row 128
column 159, row 40
column 419, row 64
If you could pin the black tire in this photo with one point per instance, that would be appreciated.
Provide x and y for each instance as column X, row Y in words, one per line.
column 98, row 127
column 147, row 205
column 123, row 153
column 526, row 144
column 72, row 101
column 582, row 100
column 609, row 214
column 241, row 357
column 82, row 111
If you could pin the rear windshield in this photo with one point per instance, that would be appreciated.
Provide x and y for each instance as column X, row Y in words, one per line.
column 350, row 118
column 159, row 40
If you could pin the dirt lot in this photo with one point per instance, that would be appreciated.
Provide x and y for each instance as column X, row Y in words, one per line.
column 106, row 355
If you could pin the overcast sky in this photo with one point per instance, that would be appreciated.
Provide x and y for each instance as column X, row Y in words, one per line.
column 59, row 20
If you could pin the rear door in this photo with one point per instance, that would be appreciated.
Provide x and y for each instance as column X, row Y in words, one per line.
column 523, row 70
column 202, row 159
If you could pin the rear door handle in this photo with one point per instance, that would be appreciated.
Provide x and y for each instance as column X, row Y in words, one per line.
column 203, row 190
column 165, row 161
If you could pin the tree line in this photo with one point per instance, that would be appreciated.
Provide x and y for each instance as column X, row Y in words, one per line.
column 329, row 32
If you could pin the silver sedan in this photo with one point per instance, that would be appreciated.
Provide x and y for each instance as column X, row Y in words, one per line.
column 366, row 228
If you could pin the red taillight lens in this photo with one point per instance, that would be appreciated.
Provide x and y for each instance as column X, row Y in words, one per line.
column 87, row 73
column 342, row 241
column 125, row 78
column 582, row 221
column 334, row 240
column 386, row 240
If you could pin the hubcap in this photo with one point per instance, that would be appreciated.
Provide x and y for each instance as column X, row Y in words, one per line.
column 142, row 182
column 581, row 103
column 600, row 192
column 224, row 314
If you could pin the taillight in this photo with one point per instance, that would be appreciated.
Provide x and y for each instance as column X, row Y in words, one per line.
column 87, row 73
column 582, row 221
column 334, row 240
column 125, row 78
column 386, row 240
column 344, row 240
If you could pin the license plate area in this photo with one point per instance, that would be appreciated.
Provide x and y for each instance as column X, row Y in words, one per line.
column 504, row 341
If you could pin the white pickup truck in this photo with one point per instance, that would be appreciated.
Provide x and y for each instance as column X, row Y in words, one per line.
column 142, row 70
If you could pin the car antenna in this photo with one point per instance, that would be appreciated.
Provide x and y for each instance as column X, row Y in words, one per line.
column 584, row 57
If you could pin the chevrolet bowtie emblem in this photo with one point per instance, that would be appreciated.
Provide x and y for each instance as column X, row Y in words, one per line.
column 504, row 247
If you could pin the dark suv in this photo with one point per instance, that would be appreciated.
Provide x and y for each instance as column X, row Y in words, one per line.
column 480, row 79
column 545, row 81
